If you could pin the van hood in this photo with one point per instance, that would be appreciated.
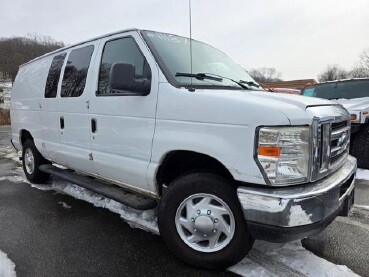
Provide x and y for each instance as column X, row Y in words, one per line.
column 298, row 100
column 250, row 108
column 356, row 104
column 294, row 107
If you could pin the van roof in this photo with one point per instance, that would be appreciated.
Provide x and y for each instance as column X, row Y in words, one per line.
column 79, row 43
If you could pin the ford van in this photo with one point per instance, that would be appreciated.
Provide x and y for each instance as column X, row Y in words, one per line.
column 137, row 117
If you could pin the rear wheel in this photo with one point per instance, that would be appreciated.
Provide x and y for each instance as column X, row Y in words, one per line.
column 202, row 222
column 360, row 147
column 31, row 160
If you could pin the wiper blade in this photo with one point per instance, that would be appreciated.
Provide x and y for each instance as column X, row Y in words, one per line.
column 198, row 76
column 215, row 77
column 250, row 83
column 232, row 80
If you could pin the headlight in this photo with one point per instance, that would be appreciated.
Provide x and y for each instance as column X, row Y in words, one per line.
column 283, row 154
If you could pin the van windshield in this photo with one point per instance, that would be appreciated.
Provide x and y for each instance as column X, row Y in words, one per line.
column 339, row 90
column 172, row 53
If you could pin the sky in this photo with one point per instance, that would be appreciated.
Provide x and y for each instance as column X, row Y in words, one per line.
column 297, row 37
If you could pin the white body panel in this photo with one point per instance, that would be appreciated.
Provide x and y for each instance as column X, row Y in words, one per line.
column 135, row 133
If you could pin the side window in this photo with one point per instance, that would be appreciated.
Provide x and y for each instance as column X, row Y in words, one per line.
column 53, row 77
column 123, row 50
column 75, row 73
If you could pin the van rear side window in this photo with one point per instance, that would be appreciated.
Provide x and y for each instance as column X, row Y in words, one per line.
column 75, row 72
column 53, row 77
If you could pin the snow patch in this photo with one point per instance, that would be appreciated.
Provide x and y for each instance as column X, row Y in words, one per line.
column 145, row 220
column 65, row 205
column 6, row 84
column 362, row 174
column 276, row 259
column 363, row 207
column 7, row 267
column 10, row 153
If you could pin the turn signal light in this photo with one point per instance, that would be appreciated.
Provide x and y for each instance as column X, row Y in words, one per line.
column 271, row 151
column 353, row 117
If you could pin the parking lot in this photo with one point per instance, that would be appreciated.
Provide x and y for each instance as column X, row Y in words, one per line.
column 58, row 229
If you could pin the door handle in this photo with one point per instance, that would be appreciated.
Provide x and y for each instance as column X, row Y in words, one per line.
column 61, row 122
column 93, row 125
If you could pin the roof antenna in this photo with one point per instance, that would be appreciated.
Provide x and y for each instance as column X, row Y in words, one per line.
column 189, row 8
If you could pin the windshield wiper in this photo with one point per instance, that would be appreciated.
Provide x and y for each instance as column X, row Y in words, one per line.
column 198, row 76
column 250, row 83
column 210, row 76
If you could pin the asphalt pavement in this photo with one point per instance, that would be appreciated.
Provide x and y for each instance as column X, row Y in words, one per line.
column 46, row 233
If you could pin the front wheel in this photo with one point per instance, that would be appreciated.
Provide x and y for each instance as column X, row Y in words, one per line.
column 31, row 160
column 202, row 222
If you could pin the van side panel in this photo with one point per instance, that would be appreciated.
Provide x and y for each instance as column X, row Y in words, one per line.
column 26, row 101
column 211, row 122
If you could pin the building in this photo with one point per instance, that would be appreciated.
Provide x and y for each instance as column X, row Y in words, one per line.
column 294, row 84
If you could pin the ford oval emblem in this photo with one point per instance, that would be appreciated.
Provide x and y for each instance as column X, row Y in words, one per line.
column 342, row 140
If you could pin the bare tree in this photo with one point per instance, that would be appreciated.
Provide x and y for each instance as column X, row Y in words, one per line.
column 265, row 74
column 364, row 59
column 18, row 50
column 333, row 72
column 359, row 72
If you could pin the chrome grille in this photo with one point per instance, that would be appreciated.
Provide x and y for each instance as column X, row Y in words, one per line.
column 331, row 140
column 340, row 140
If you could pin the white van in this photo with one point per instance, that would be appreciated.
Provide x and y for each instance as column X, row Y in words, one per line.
column 132, row 118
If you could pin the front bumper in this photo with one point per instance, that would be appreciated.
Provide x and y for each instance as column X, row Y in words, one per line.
column 290, row 213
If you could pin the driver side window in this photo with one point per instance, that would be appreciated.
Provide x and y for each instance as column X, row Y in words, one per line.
column 122, row 50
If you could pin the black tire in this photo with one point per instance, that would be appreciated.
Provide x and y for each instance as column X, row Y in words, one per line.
column 36, row 176
column 194, row 183
column 360, row 147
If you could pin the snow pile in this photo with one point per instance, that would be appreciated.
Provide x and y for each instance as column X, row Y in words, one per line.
column 145, row 220
column 7, row 267
column 362, row 174
column 288, row 259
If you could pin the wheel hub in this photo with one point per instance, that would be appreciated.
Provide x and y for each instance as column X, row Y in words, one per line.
column 204, row 224
column 29, row 161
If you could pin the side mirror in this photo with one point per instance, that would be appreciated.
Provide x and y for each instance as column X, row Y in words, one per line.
column 123, row 80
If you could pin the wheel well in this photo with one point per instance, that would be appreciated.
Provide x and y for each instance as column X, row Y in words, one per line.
column 24, row 136
column 177, row 163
